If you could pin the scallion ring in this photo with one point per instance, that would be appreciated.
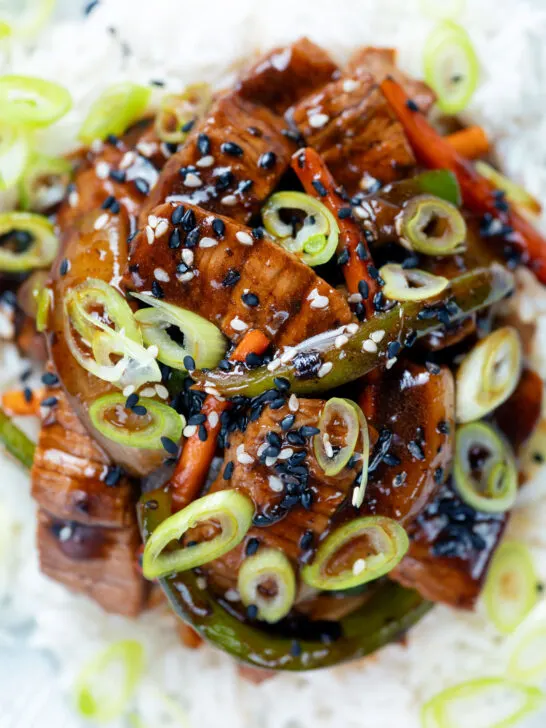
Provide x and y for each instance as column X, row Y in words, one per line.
column 229, row 510
column 102, row 691
column 32, row 102
column 455, row 707
column 27, row 241
column 484, row 468
column 144, row 431
column 510, row 590
column 451, row 66
column 410, row 284
column 516, row 194
column 177, row 110
column 267, row 581
column 489, row 374
column 115, row 110
column 316, row 240
column 338, row 421
column 358, row 552
column 430, row 225
column 44, row 182
column 14, row 154
column 202, row 340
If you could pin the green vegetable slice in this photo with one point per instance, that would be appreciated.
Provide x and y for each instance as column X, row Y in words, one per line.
column 32, row 102
column 337, row 414
column 451, row 66
column 27, row 241
column 177, row 110
column 440, row 183
column 115, row 110
column 15, row 441
column 316, row 240
column 44, row 182
column 267, row 581
column 432, row 226
column 230, row 510
column 410, row 284
column 106, row 684
column 203, row 341
column 44, row 300
column 511, row 588
column 516, row 194
column 145, row 431
column 373, row 544
column 14, row 154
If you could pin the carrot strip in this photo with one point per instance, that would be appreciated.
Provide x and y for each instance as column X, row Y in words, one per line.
column 196, row 456
column 479, row 195
column 470, row 143
column 16, row 402
column 317, row 181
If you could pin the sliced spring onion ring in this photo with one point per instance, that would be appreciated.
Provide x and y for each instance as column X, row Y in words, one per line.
column 203, row 341
column 44, row 182
column 516, row 194
column 375, row 544
column 32, row 102
column 110, row 417
column 526, row 648
column 410, row 284
column 451, row 66
column 30, row 291
column 14, row 154
column 176, row 110
column 506, row 703
column 41, row 243
column 101, row 692
column 362, row 481
column 115, row 110
column 510, row 591
column 44, row 301
column 230, row 510
column 443, row 9
column 489, row 374
column 316, row 241
column 337, row 412
column 432, row 226
column 267, row 580
column 33, row 18
column 484, row 468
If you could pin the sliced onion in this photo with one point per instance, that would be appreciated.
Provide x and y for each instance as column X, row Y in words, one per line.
column 32, row 102
column 430, row 225
column 267, row 581
column 410, row 284
column 451, row 66
column 203, row 341
column 114, row 111
column 489, row 374
column 316, row 241
column 14, row 154
column 230, row 510
column 144, row 431
column 42, row 249
column 337, row 412
column 376, row 544
column 488, row 702
column 176, row 110
column 102, row 692
column 516, row 194
column 484, row 469
column 510, row 591
column 44, row 182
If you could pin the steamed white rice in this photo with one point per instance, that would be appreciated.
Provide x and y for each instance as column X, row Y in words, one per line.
column 46, row 633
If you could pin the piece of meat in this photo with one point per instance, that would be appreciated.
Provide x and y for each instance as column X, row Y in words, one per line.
column 230, row 163
column 381, row 62
column 451, row 545
column 71, row 473
column 519, row 416
column 279, row 486
column 350, row 123
column 285, row 75
column 221, row 269
column 98, row 562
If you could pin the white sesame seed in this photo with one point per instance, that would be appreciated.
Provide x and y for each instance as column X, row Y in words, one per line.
column 293, row 403
column 160, row 274
column 153, row 351
column 263, row 447
column 187, row 256
column 317, row 121
column 192, row 180
column 214, row 393
column 152, row 221
column 275, row 484
column 288, row 354
column 213, row 419
column 355, row 298
column 201, row 583
column 391, row 362
column 270, row 461
column 273, row 365
column 147, row 392
column 186, row 277
column 238, row 324
column 229, row 200
column 190, row 430
column 360, row 212
column 245, row 459
column 146, row 148
column 127, row 160
column 286, row 453
column 359, row 566
column 129, row 389
column 358, row 496
column 351, row 328
column 150, row 235
column 97, row 146
column 73, row 198
column 244, row 238
column 162, row 391
column 349, row 85
column 314, row 293
column 161, row 229
column 377, row 336
column 240, row 448
column 232, row 595
column 340, row 341
column 101, row 221
column 102, row 169
column 328, row 449
column 369, row 346
column 320, row 302
column 207, row 161
column 208, row 243
column 325, row 369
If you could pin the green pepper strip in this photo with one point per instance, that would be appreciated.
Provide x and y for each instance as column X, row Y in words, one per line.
column 465, row 294
column 389, row 612
column 15, row 441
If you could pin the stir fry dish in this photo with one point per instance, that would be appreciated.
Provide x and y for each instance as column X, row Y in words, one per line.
column 281, row 385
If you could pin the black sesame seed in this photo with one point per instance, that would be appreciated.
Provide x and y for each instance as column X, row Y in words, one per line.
column 64, row 267
column 113, row 476
column 252, row 611
column 189, row 363
column 287, row 422
column 294, row 135
column 250, row 299
column 169, row 445
column 361, row 251
column 363, row 289
column 258, row 233
column 49, row 402
column 416, row 450
column 139, row 410
column 188, row 220
column 319, row 187
column 295, row 649
column 412, row 106
column 344, row 213
column 177, row 215
column 174, row 239
column 115, row 207
column 343, row 257
column 438, row 475
column 309, row 431
column 202, row 433
column 219, row 227
column 232, row 277
column 234, row 150
column 538, row 457
column 399, row 479
column 50, row 379
column 274, row 439
column 192, row 238
column 277, row 403
column 118, row 175
column 108, row 202
column 131, row 400
column 197, row 419
column 391, row 460
column 244, row 186
column 253, row 360
column 393, row 349
column 281, row 383
column 410, row 339
column 203, row 144
column 228, row 470
column 443, row 427
column 306, row 499
column 142, row 186
column 432, row 368
column 223, row 181
column 188, row 126
column 306, row 541
column 157, row 290
column 27, row 394
column 267, row 160
column 294, row 438
column 379, row 301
